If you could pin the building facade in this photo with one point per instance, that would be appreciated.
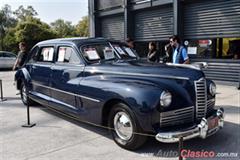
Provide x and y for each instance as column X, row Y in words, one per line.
column 210, row 29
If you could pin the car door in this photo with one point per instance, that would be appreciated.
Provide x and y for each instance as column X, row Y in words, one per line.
column 40, row 72
column 67, row 73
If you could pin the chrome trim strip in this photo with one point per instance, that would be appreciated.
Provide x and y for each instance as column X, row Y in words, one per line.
column 62, row 103
column 139, row 74
column 37, row 84
column 210, row 105
column 52, row 99
column 184, row 66
column 177, row 116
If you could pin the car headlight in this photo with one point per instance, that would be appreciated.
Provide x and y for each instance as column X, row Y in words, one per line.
column 165, row 99
column 212, row 89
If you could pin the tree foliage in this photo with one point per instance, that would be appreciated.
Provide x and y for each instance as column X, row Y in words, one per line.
column 22, row 13
column 6, row 21
column 10, row 43
column 26, row 27
column 33, row 31
column 63, row 28
column 82, row 27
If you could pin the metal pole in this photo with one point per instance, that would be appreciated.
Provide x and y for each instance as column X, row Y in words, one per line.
column 28, row 115
column 239, row 82
column 180, row 147
column 28, row 125
column 1, row 88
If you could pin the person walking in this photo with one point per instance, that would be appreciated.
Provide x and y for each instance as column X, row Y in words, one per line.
column 168, row 53
column 130, row 43
column 21, row 57
column 153, row 54
column 180, row 55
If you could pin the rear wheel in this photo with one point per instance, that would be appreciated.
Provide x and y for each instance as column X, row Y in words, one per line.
column 24, row 95
column 125, row 128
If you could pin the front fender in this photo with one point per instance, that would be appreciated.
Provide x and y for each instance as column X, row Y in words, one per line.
column 138, row 94
column 141, row 96
column 22, row 75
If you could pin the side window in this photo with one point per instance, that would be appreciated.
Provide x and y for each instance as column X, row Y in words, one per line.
column 67, row 55
column 45, row 55
column 34, row 54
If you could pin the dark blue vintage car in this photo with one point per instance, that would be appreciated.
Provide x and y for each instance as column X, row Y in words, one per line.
column 104, row 82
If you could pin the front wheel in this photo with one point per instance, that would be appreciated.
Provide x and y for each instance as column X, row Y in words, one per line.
column 125, row 129
column 24, row 95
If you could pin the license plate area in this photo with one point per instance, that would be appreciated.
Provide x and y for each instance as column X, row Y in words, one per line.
column 212, row 123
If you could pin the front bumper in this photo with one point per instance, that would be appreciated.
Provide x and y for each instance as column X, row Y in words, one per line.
column 204, row 129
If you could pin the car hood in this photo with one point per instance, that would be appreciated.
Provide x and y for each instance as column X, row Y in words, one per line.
column 146, row 69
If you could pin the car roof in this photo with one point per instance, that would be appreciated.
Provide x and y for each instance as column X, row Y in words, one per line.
column 1, row 52
column 75, row 40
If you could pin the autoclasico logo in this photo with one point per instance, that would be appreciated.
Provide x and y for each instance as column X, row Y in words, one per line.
column 186, row 153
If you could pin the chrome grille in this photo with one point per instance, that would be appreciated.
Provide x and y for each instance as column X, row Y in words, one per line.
column 210, row 105
column 201, row 98
column 178, row 116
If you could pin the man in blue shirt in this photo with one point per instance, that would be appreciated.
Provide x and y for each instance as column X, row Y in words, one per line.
column 180, row 55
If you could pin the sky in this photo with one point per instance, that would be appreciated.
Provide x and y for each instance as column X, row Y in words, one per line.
column 51, row 10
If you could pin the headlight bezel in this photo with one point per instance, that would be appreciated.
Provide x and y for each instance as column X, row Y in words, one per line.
column 212, row 89
column 165, row 99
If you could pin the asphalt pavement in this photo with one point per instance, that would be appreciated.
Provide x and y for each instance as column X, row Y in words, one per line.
column 56, row 137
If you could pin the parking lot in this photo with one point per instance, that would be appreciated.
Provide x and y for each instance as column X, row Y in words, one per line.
column 56, row 137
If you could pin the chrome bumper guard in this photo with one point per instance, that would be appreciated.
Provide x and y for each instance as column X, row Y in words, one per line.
column 204, row 129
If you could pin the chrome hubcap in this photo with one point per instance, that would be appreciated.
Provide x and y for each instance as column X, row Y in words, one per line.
column 24, row 94
column 123, row 126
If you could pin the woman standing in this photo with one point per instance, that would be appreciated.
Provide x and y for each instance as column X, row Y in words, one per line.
column 22, row 55
column 153, row 54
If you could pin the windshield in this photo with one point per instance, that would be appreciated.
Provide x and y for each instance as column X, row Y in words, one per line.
column 123, row 51
column 96, row 53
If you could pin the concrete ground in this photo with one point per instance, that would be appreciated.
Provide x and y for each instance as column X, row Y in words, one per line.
column 56, row 137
